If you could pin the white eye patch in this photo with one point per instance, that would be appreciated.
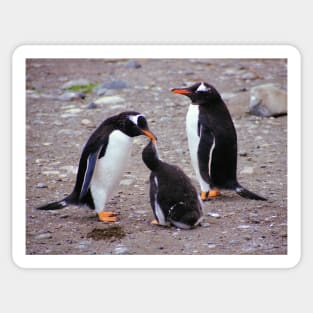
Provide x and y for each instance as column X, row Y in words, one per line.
column 202, row 87
column 134, row 118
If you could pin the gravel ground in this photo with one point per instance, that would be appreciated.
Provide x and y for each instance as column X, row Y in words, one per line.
column 58, row 125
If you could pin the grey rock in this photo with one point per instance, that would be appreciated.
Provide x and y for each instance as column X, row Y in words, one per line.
column 92, row 105
column 114, row 84
column 83, row 245
column 232, row 71
column 85, row 122
column 109, row 100
column 121, row 250
column 238, row 103
column 50, row 172
column 247, row 170
column 44, row 236
column 72, row 111
column 71, row 95
column 70, row 169
column 249, row 76
column 133, row 64
column 100, row 90
column 234, row 242
column 41, row 185
column 268, row 100
column 214, row 214
column 243, row 226
column 205, row 225
column 228, row 95
column 77, row 82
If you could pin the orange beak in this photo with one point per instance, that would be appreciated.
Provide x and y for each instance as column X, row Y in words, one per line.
column 149, row 135
column 181, row 91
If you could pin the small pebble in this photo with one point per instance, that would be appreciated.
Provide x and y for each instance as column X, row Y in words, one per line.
column 249, row 76
column 243, row 226
column 114, row 84
column 50, row 172
column 44, row 236
column 128, row 181
column 77, row 82
column 205, row 225
column 121, row 250
column 133, row 64
column 85, row 121
column 41, row 185
column 71, row 95
column 92, row 105
column 213, row 214
column 247, row 170
column 109, row 100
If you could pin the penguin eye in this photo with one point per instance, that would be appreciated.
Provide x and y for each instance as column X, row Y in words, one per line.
column 142, row 123
column 139, row 121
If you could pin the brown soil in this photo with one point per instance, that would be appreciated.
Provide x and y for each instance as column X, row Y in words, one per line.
column 57, row 131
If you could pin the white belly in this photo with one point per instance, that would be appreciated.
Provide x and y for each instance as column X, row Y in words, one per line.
column 110, row 168
column 193, row 142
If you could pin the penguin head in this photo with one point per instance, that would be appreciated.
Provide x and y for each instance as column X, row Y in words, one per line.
column 150, row 155
column 199, row 93
column 134, row 124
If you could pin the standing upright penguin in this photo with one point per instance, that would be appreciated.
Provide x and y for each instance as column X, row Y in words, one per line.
column 174, row 199
column 102, row 163
column 212, row 142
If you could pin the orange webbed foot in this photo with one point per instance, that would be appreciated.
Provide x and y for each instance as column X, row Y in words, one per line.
column 205, row 196
column 107, row 216
column 155, row 222
column 214, row 193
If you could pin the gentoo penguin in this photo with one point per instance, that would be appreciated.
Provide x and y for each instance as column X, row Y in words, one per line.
column 174, row 200
column 212, row 141
column 102, row 163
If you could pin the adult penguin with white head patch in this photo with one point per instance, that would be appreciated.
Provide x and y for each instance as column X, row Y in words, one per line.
column 103, row 162
column 212, row 141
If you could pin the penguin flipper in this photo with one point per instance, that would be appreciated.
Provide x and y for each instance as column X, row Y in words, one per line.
column 185, row 219
column 245, row 193
column 56, row 205
column 205, row 154
column 90, row 166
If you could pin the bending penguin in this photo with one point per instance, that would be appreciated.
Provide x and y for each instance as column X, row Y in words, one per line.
column 102, row 163
column 212, row 142
column 174, row 200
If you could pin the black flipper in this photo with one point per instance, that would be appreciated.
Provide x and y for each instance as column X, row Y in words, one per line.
column 56, row 205
column 87, row 166
column 182, row 217
column 90, row 166
column 205, row 153
column 245, row 193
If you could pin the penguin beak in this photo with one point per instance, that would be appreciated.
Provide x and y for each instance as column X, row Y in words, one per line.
column 181, row 91
column 150, row 135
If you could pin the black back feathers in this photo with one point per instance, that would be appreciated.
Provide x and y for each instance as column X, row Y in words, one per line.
column 131, row 124
column 173, row 198
column 217, row 148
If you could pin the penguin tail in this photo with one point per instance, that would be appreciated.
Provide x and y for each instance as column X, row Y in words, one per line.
column 245, row 193
column 56, row 205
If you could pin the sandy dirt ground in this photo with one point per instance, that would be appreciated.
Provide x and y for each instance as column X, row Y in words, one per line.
column 58, row 129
